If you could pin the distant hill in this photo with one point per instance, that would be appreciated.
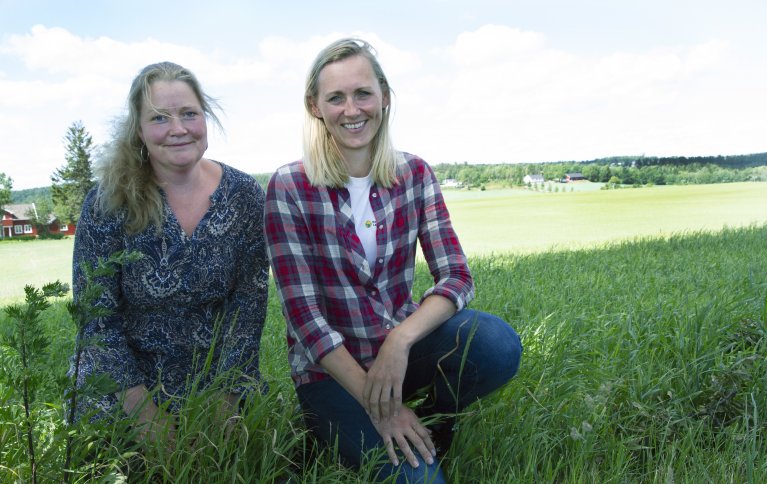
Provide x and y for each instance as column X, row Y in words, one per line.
column 31, row 195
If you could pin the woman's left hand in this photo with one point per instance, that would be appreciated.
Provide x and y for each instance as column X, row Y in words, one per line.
column 382, row 396
column 406, row 433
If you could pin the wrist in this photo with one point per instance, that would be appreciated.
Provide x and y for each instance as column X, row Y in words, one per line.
column 401, row 338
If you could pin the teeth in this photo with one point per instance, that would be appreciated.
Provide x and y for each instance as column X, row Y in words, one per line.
column 354, row 126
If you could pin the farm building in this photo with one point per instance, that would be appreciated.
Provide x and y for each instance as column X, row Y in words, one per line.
column 536, row 178
column 571, row 177
column 451, row 183
column 18, row 220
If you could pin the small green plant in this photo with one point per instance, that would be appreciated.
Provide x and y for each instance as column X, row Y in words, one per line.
column 27, row 344
column 81, row 310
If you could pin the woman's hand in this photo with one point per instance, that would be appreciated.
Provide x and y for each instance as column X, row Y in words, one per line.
column 403, row 431
column 157, row 429
column 153, row 424
column 382, row 395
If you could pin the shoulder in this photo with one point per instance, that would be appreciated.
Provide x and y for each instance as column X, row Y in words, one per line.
column 93, row 208
column 412, row 168
column 291, row 176
column 238, row 181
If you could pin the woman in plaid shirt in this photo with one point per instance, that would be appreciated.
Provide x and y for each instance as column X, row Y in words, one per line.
column 342, row 227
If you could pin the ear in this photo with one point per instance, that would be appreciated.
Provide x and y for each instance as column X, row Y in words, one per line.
column 386, row 100
column 313, row 108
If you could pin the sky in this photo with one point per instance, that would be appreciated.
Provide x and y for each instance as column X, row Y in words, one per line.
column 477, row 81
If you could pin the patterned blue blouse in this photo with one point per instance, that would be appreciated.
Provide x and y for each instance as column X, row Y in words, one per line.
column 166, row 304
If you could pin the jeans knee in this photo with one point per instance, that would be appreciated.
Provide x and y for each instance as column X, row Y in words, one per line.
column 500, row 346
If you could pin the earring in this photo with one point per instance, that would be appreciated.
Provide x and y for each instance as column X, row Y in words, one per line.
column 144, row 153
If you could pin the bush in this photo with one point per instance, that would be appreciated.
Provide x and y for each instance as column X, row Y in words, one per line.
column 18, row 238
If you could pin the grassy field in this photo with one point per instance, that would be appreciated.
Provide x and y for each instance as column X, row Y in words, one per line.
column 524, row 221
column 644, row 353
column 644, row 362
column 33, row 262
column 503, row 221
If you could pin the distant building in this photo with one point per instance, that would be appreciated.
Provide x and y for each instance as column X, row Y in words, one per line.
column 531, row 179
column 18, row 220
column 451, row 183
column 571, row 177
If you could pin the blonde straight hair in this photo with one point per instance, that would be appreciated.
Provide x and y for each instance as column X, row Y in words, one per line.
column 126, row 179
column 323, row 160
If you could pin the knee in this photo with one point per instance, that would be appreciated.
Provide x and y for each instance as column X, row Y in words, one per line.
column 500, row 346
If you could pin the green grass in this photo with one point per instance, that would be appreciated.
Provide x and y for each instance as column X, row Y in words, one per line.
column 644, row 356
column 525, row 221
column 34, row 262
column 502, row 221
column 644, row 362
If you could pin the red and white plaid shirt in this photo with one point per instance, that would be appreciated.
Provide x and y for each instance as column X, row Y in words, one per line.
column 330, row 295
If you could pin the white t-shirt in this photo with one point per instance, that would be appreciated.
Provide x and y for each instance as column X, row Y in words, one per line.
column 364, row 219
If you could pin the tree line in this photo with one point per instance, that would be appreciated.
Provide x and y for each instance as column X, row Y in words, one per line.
column 627, row 170
column 71, row 182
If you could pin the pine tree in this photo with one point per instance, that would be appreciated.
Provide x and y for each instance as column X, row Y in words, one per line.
column 72, row 182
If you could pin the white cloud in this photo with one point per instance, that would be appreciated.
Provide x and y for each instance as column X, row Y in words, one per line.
column 495, row 94
column 509, row 95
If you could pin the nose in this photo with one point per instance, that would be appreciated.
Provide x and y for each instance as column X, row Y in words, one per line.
column 177, row 126
column 351, row 108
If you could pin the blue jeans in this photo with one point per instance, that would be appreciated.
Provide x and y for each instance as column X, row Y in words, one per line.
column 469, row 356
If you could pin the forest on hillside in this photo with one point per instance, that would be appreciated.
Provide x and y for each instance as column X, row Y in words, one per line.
column 627, row 170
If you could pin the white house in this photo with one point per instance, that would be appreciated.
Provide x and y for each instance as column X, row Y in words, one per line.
column 532, row 179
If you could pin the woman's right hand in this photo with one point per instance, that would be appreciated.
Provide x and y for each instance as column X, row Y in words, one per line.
column 158, row 428
column 403, row 431
column 153, row 424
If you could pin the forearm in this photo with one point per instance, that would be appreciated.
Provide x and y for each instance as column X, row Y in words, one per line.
column 342, row 366
column 433, row 311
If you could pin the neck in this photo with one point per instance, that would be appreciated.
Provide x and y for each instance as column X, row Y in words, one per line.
column 358, row 165
column 181, row 181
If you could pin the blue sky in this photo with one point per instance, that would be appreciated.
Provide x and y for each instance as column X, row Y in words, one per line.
column 480, row 81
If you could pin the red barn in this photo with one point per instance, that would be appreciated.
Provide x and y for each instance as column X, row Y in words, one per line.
column 18, row 220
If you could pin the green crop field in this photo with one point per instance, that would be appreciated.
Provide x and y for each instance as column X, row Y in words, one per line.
column 523, row 221
column 504, row 221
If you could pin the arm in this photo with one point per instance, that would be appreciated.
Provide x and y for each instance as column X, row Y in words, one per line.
column 441, row 248
column 382, row 394
column 453, row 289
column 296, row 268
column 105, row 347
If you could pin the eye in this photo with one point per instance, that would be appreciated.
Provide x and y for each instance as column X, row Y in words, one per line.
column 335, row 99
column 363, row 94
column 158, row 118
column 190, row 114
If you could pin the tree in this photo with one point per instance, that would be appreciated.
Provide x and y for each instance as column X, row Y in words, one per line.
column 41, row 217
column 72, row 182
column 6, row 185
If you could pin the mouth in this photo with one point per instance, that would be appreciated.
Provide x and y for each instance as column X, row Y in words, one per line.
column 354, row 125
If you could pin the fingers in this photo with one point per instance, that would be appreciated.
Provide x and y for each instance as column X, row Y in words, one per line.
column 421, row 439
column 396, row 401
column 378, row 400
column 390, row 451
column 409, row 436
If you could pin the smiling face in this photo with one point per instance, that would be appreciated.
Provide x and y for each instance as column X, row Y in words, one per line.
column 173, row 127
column 350, row 102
